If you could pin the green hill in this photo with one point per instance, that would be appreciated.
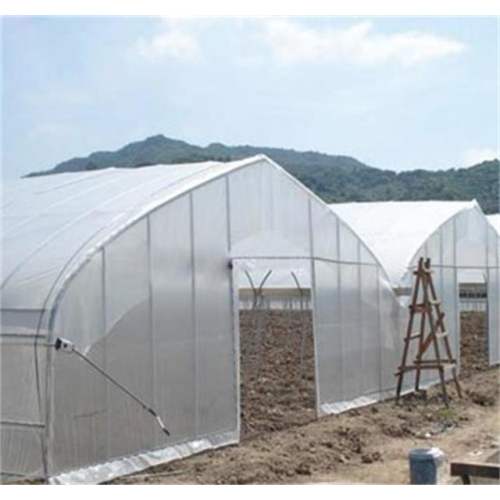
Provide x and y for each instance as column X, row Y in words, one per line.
column 333, row 178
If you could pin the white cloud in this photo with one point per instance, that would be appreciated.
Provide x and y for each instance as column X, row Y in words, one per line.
column 474, row 156
column 293, row 43
column 174, row 41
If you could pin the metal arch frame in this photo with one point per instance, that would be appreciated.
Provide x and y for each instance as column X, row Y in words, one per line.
column 312, row 270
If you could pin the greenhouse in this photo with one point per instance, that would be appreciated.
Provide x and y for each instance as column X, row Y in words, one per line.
column 122, row 291
column 120, row 327
column 456, row 236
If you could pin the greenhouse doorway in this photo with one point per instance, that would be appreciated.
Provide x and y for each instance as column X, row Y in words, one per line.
column 277, row 360
column 473, row 318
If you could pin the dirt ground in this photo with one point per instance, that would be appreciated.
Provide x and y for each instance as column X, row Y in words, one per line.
column 473, row 342
column 277, row 391
column 283, row 443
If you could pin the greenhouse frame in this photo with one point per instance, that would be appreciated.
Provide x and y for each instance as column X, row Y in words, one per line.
column 458, row 238
column 120, row 311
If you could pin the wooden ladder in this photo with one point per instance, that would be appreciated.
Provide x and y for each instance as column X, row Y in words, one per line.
column 429, row 309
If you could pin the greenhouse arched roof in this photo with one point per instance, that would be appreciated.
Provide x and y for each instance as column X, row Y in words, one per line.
column 51, row 222
column 395, row 231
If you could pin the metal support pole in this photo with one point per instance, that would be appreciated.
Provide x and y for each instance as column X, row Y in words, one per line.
column 302, row 323
column 65, row 345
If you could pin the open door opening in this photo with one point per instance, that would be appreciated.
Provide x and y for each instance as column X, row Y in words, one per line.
column 473, row 294
column 277, row 362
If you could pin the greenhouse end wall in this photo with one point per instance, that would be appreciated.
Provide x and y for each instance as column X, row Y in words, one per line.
column 465, row 242
column 167, row 336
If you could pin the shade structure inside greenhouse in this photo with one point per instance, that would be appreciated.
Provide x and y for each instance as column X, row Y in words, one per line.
column 457, row 237
column 275, row 289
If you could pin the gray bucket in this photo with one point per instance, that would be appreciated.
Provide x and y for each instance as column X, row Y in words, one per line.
column 424, row 464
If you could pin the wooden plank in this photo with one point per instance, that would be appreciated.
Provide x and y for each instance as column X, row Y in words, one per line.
column 414, row 336
column 443, row 362
column 418, row 308
column 475, row 469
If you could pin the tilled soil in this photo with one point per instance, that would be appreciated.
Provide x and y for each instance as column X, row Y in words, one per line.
column 277, row 371
column 473, row 350
column 283, row 443
column 350, row 447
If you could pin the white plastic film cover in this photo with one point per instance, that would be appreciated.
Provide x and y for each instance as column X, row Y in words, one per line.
column 493, row 283
column 184, row 370
column 51, row 223
column 328, row 333
column 173, row 317
column 355, row 319
column 494, row 220
column 23, row 407
column 216, row 409
column 272, row 219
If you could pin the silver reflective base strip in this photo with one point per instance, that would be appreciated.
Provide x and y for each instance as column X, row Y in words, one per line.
column 342, row 406
column 128, row 465
column 7, row 477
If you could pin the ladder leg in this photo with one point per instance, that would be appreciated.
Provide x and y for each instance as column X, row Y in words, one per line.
column 420, row 353
column 428, row 284
column 447, row 346
column 408, row 331
column 449, row 354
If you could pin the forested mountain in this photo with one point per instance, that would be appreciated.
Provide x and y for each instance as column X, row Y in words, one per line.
column 333, row 178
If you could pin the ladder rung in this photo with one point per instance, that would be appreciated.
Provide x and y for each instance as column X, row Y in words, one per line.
column 441, row 335
column 425, row 366
column 418, row 307
column 421, row 367
column 424, row 270
column 433, row 363
column 414, row 336
column 435, row 302
column 452, row 360
column 405, row 369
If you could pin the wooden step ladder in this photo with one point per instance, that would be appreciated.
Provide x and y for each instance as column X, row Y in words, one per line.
column 428, row 306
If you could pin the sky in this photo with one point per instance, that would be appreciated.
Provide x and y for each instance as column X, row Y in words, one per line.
column 394, row 92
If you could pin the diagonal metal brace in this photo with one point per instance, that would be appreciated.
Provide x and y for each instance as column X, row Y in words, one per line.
column 68, row 346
